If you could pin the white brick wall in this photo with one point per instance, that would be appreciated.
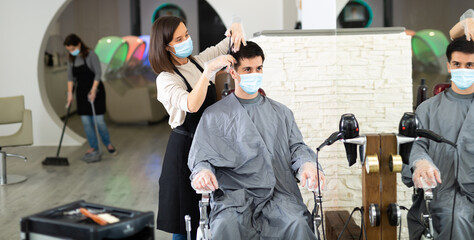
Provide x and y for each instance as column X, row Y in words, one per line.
column 322, row 77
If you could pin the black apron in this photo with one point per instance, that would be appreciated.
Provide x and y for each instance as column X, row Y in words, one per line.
column 84, row 78
column 176, row 196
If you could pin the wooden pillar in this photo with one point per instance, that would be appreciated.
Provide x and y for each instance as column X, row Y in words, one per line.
column 371, row 186
column 380, row 187
column 388, row 192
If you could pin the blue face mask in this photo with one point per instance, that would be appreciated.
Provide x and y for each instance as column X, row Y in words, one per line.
column 251, row 82
column 183, row 49
column 463, row 78
column 75, row 52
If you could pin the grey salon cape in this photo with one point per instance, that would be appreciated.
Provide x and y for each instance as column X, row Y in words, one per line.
column 254, row 149
column 451, row 115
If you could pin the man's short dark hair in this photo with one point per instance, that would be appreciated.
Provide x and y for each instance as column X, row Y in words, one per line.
column 250, row 51
column 459, row 45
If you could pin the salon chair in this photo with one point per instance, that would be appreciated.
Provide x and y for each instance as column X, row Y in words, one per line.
column 12, row 111
column 204, row 230
column 440, row 87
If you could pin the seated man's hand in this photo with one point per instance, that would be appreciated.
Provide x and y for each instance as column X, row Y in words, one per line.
column 309, row 172
column 205, row 181
column 426, row 170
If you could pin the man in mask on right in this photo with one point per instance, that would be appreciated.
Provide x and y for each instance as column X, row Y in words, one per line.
column 448, row 169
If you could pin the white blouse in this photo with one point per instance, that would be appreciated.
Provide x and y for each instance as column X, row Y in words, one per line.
column 171, row 89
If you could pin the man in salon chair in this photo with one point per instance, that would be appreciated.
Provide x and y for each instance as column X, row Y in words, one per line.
column 448, row 170
column 247, row 149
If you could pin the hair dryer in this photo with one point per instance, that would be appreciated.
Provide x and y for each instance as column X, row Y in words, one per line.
column 407, row 135
column 350, row 127
column 331, row 139
column 349, row 134
column 409, row 130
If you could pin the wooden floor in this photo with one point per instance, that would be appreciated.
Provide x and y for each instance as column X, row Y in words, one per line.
column 128, row 180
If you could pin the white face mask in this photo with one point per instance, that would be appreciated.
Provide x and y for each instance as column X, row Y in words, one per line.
column 75, row 52
column 462, row 77
column 251, row 82
column 183, row 49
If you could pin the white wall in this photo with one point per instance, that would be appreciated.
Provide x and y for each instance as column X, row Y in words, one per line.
column 24, row 24
column 318, row 14
column 256, row 15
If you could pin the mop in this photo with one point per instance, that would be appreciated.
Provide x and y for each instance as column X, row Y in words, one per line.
column 59, row 161
column 96, row 157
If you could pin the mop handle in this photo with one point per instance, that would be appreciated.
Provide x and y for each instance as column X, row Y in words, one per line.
column 65, row 122
column 95, row 125
column 64, row 128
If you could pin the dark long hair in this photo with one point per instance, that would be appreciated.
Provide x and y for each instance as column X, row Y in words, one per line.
column 161, row 34
column 73, row 40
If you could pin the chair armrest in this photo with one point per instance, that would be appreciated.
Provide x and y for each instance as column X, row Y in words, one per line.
column 27, row 127
column 203, row 192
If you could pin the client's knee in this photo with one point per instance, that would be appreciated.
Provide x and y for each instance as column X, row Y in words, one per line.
column 232, row 225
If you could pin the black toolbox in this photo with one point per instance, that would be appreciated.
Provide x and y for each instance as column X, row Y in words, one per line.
column 66, row 222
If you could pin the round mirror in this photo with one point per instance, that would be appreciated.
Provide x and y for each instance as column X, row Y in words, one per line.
column 356, row 14
column 168, row 9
